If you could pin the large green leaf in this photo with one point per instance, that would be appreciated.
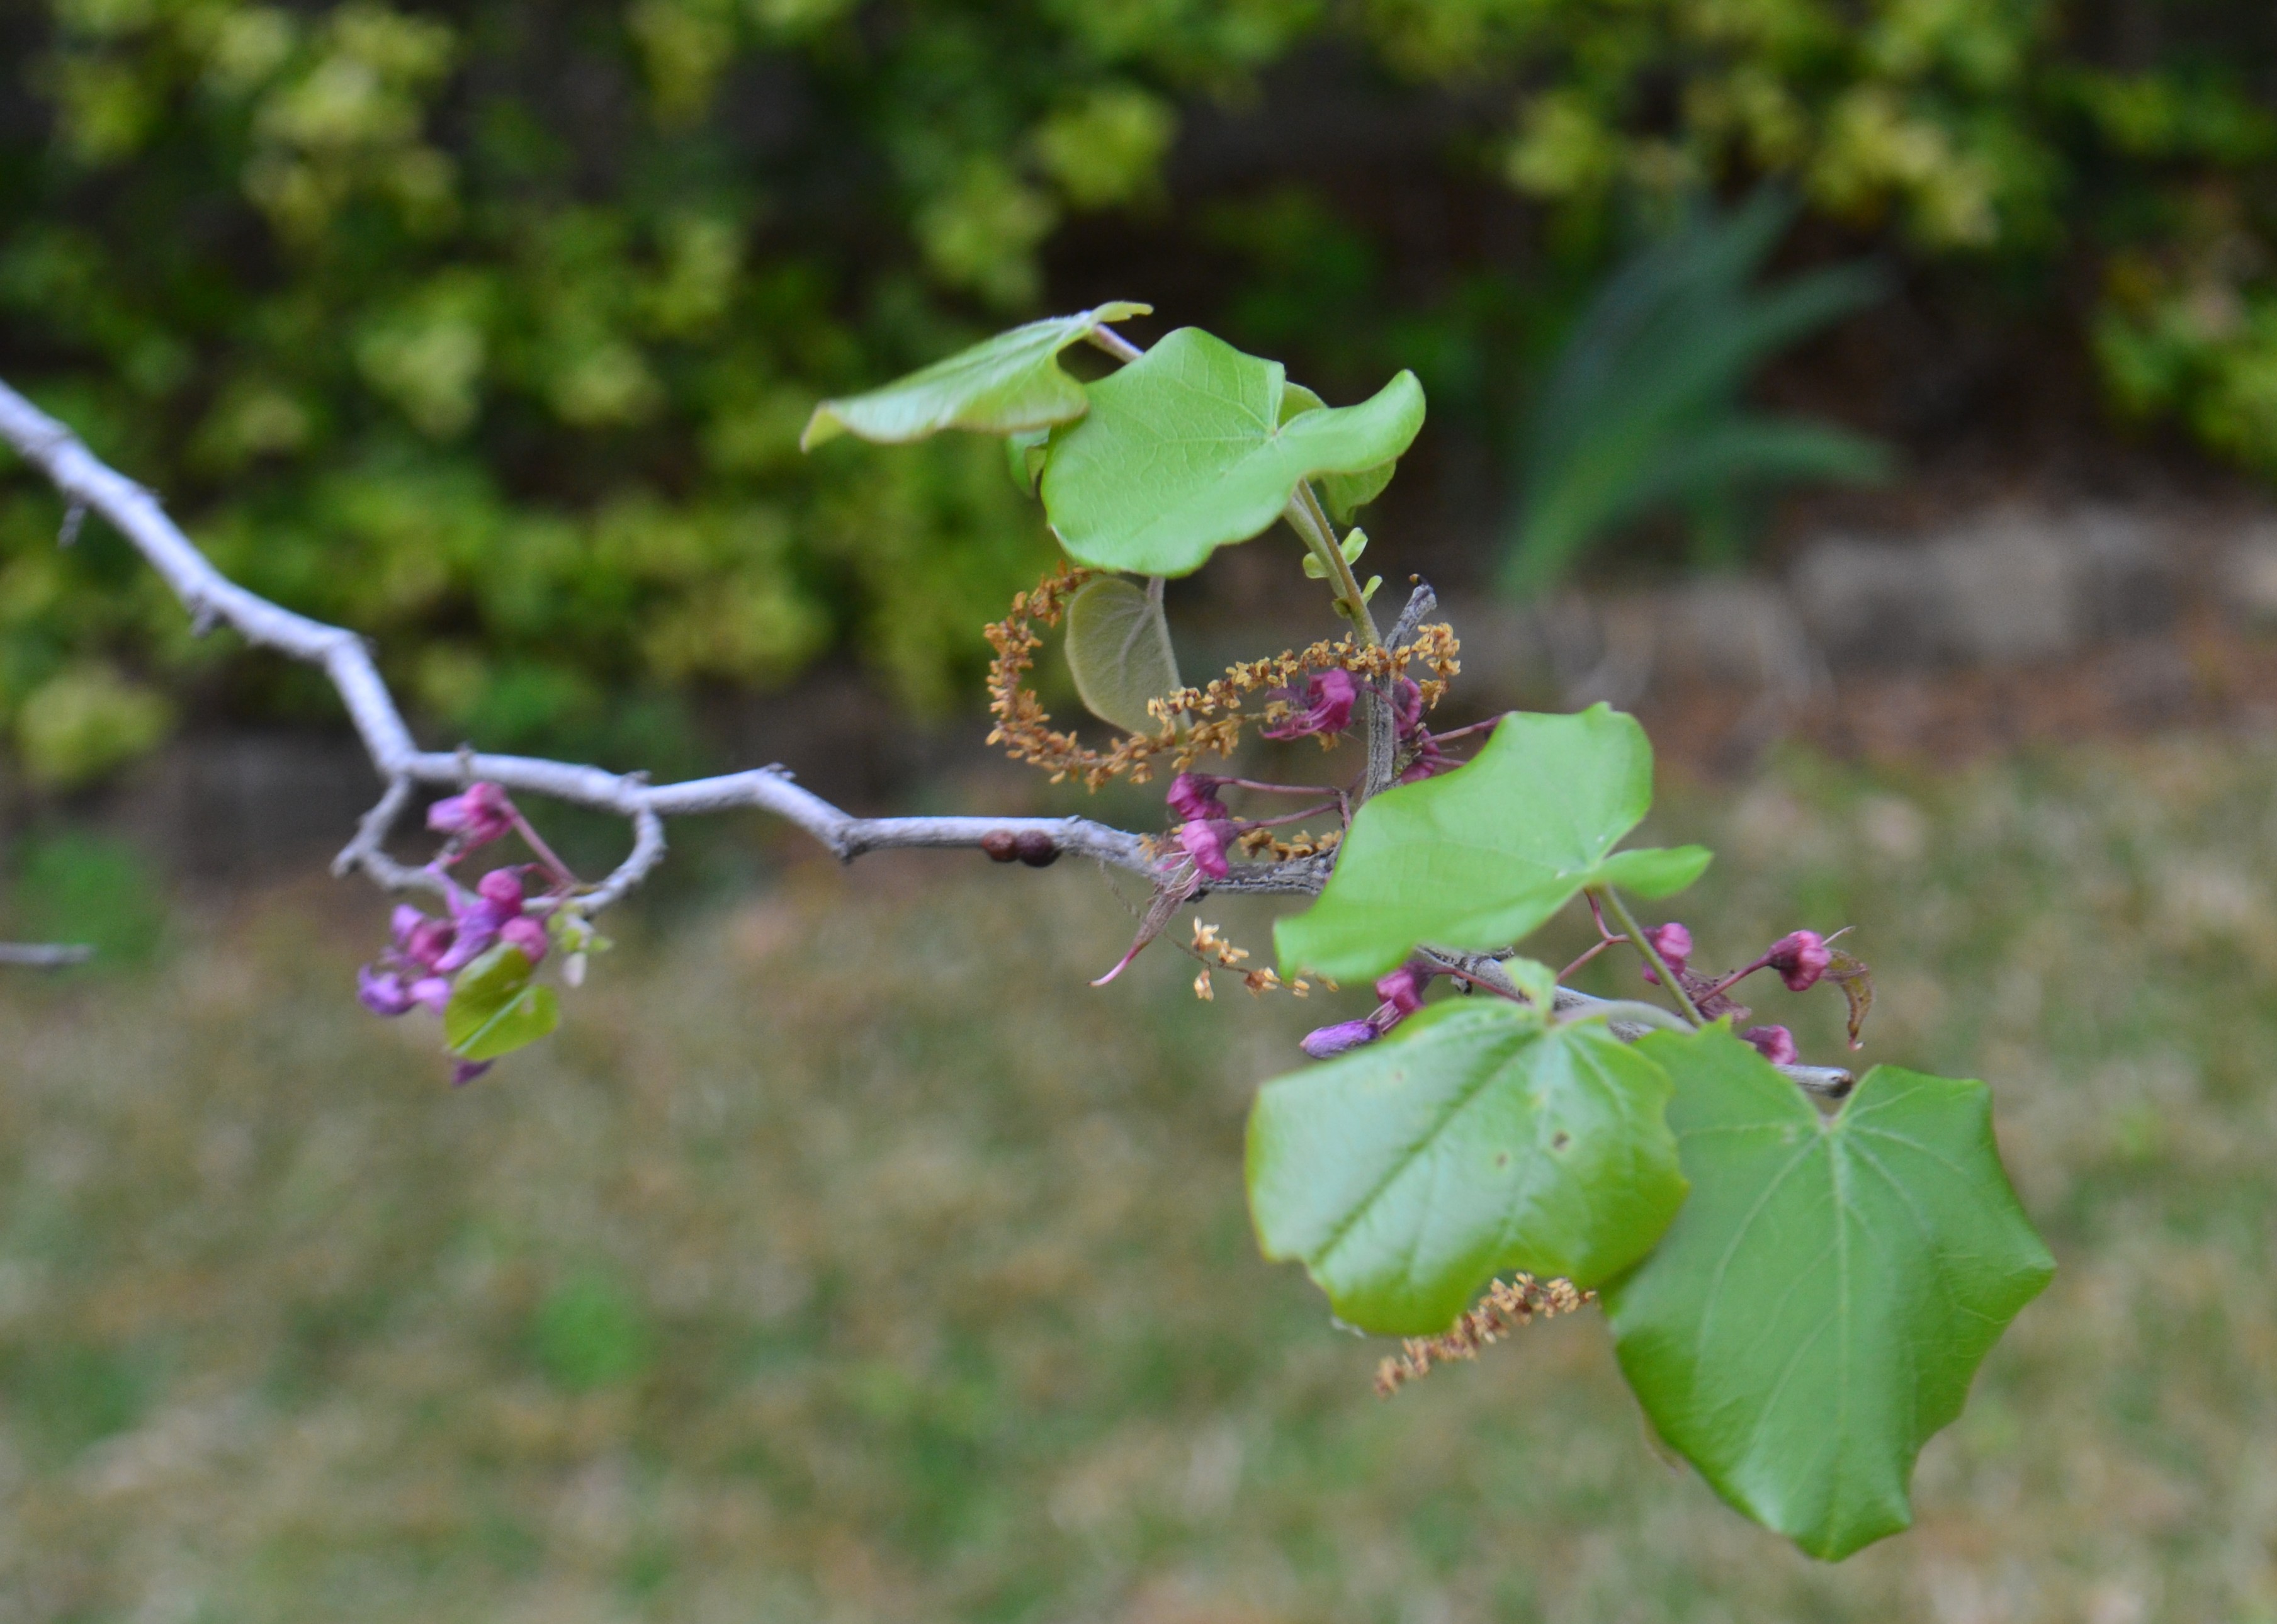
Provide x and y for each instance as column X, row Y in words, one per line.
column 1185, row 450
column 1342, row 494
column 1001, row 385
column 1118, row 651
column 1477, row 857
column 495, row 1009
column 1819, row 1305
column 1473, row 1141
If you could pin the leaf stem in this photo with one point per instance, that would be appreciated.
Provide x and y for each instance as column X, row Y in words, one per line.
column 1643, row 944
column 1310, row 521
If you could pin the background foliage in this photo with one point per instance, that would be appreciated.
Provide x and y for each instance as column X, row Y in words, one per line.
column 489, row 326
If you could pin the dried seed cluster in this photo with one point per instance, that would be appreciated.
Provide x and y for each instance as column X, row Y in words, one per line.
column 1504, row 1309
column 1212, row 714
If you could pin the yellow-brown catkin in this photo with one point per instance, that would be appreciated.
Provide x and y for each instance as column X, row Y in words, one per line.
column 1504, row 1309
column 1212, row 717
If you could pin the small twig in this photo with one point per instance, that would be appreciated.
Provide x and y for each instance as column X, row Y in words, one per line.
column 44, row 955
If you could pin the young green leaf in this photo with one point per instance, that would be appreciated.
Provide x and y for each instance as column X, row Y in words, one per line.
column 1342, row 494
column 1819, row 1305
column 1001, row 385
column 1477, row 857
column 1475, row 1139
column 495, row 1009
column 1118, row 650
column 1185, row 451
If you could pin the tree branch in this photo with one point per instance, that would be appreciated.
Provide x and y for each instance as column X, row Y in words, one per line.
column 87, row 484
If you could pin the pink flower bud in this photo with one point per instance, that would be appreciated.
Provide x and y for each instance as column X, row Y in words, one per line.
column 1402, row 988
column 1326, row 1042
column 526, row 934
column 1193, row 797
column 1775, row 1043
column 1206, row 843
column 501, row 888
column 1800, row 958
column 478, row 815
column 1327, row 706
column 466, row 1070
column 1674, row 942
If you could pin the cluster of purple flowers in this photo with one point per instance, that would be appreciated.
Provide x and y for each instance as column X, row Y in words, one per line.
column 1799, row 958
column 424, row 952
column 1207, row 829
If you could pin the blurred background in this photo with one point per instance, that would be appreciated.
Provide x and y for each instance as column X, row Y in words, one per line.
column 1881, row 400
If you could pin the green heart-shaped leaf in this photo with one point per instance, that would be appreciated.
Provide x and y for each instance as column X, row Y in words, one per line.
column 1342, row 494
column 495, row 1009
column 1118, row 650
column 1473, row 1140
column 1820, row 1304
column 1479, row 856
column 1001, row 385
column 1185, row 450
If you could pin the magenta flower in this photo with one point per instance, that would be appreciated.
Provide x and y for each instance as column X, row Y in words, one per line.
column 477, row 919
column 1800, row 958
column 1205, row 843
column 477, row 816
column 1326, row 1042
column 1674, row 942
column 408, row 976
column 1327, row 707
column 1407, row 706
column 1402, row 989
column 391, row 993
column 1775, row 1043
column 1193, row 797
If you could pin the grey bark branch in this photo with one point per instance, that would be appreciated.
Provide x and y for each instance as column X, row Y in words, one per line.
column 87, row 483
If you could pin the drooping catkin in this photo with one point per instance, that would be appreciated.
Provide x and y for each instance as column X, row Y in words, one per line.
column 1503, row 1310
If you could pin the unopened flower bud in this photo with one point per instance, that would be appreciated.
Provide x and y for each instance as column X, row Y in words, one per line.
column 527, row 935
column 1674, row 942
column 467, row 1070
column 1800, row 958
column 1326, row 1042
column 1775, row 1043
column 1402, row 988
column 501, row 888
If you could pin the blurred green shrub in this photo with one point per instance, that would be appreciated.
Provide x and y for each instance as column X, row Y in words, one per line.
column 488, row 326
column 1642, row 408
